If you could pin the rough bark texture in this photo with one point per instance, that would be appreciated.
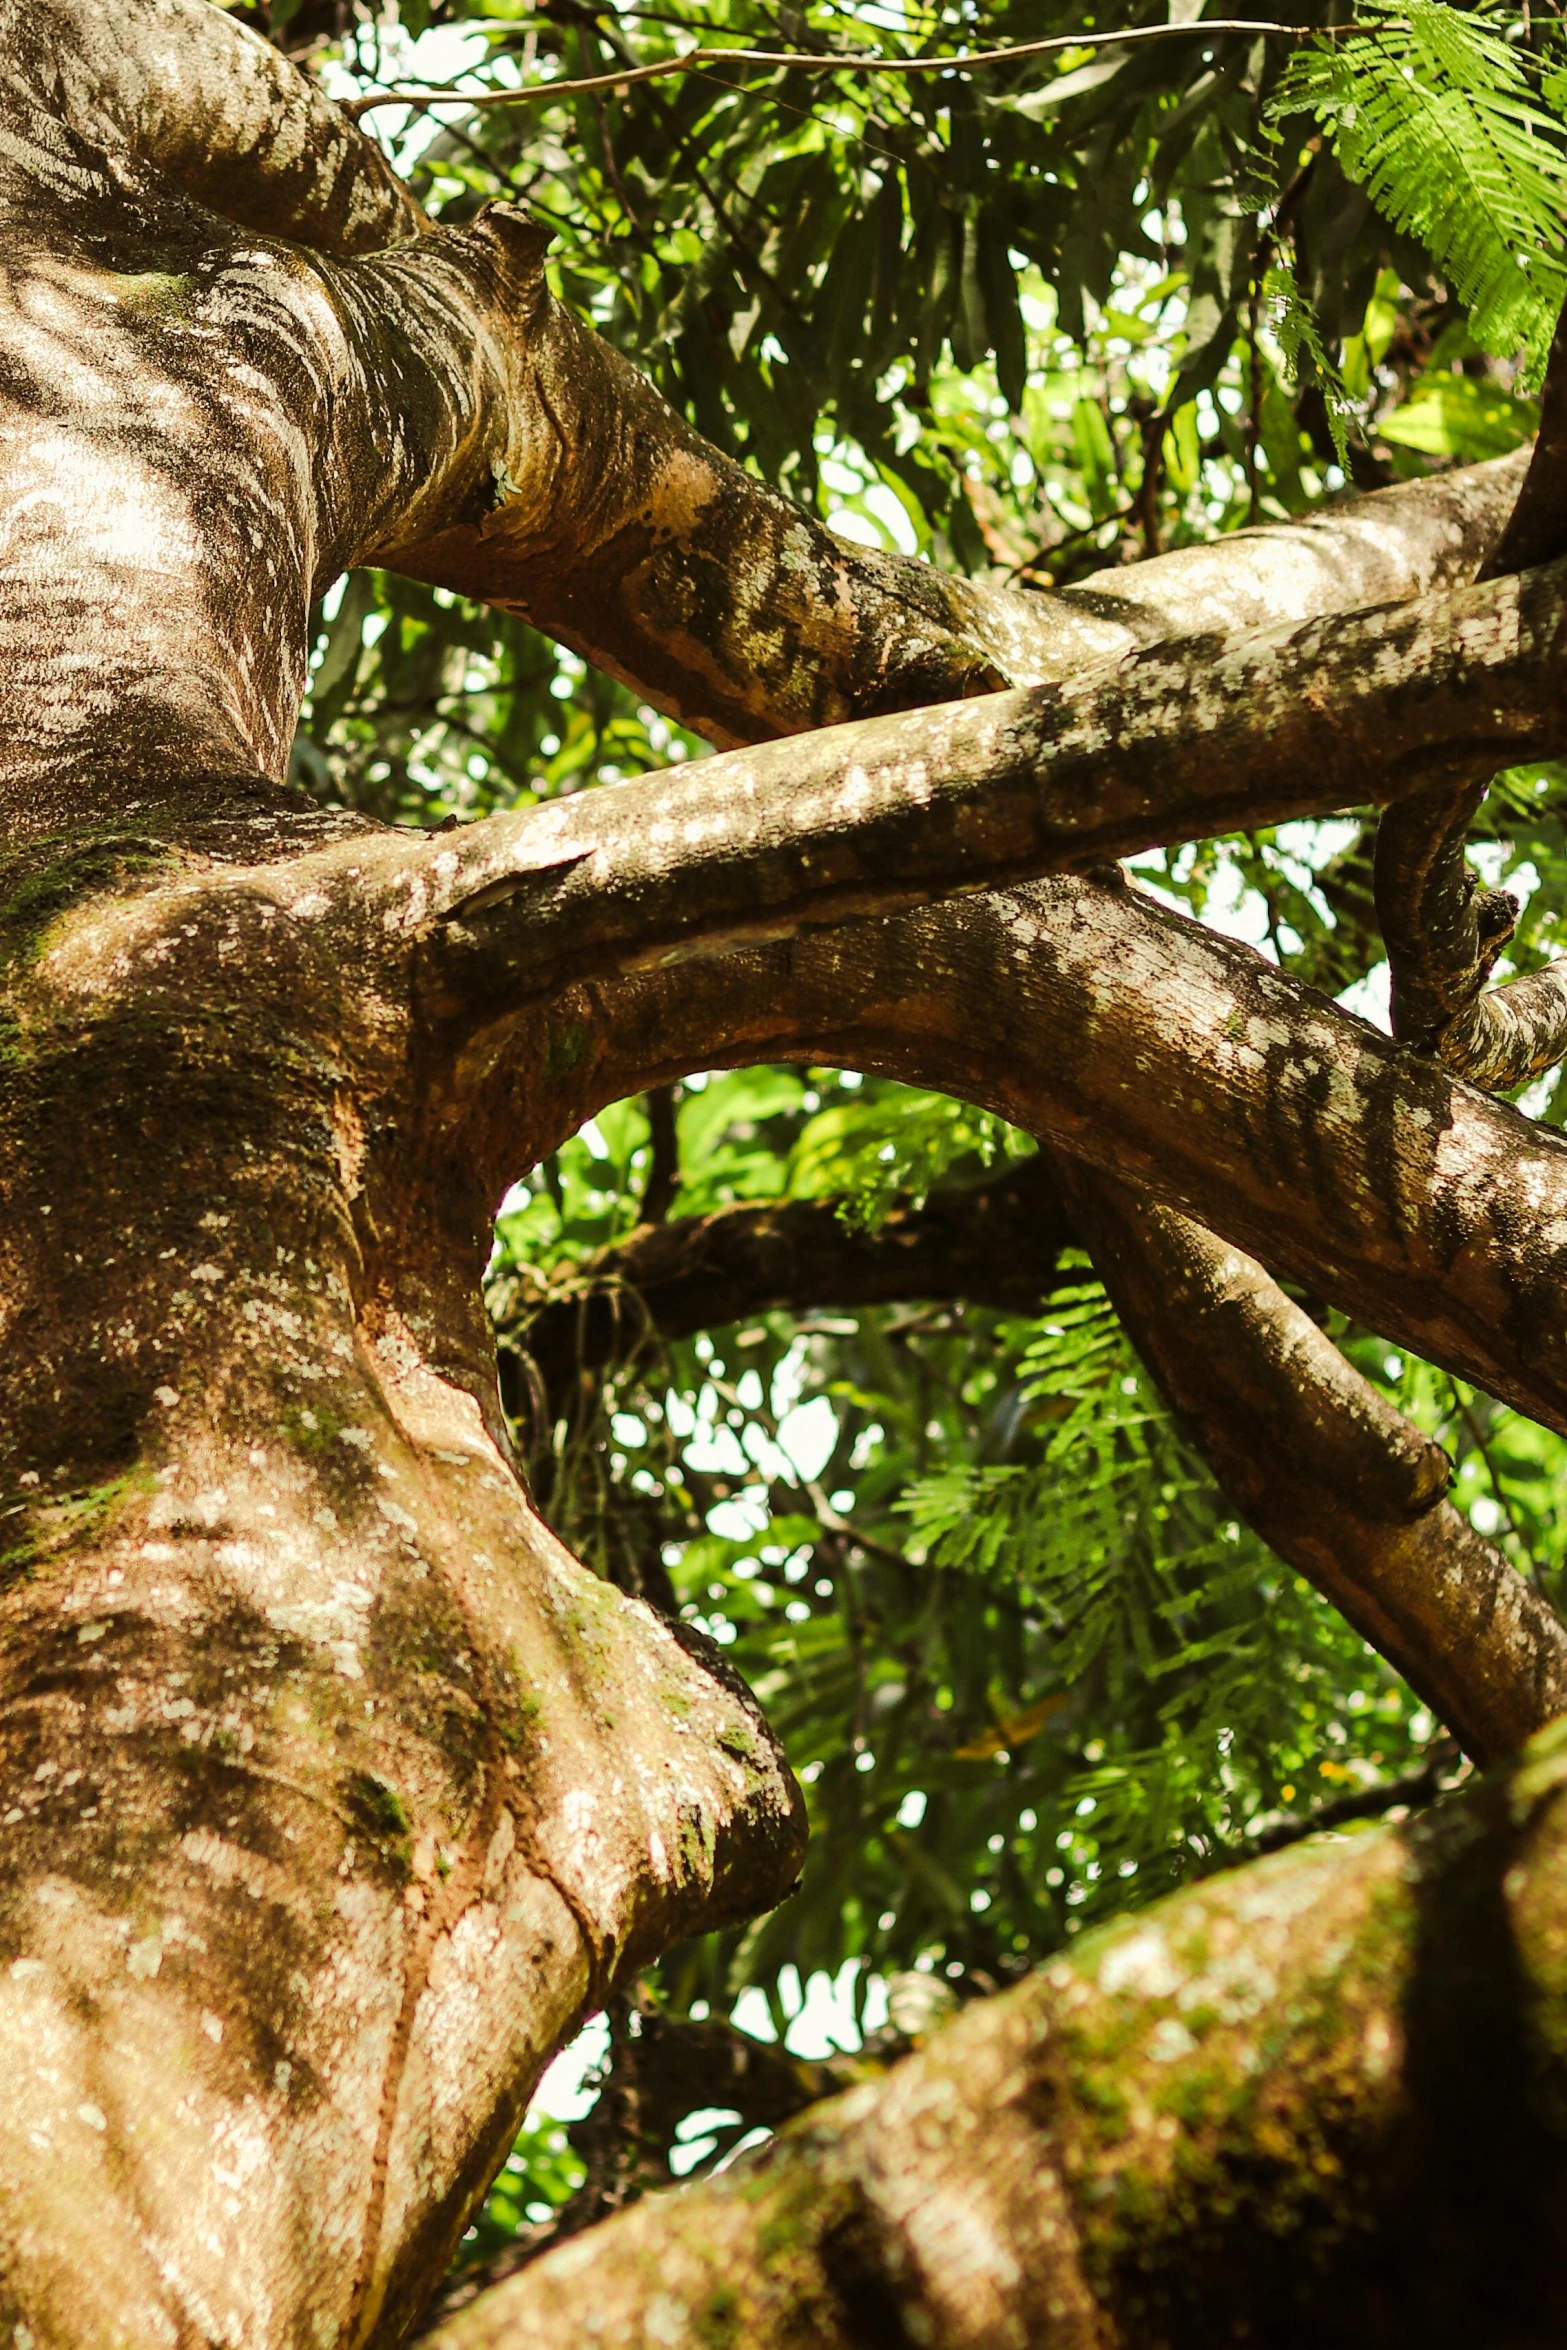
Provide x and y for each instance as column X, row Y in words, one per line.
column 1320, row 2099
column 671, row 2069
column 333, row 1789
column 337, row 1790
column 633, row 540
column 1172, row 1057
column 1185, row 739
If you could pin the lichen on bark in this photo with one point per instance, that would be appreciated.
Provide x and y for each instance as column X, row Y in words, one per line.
column 334, row 1789
column 1312, row 2099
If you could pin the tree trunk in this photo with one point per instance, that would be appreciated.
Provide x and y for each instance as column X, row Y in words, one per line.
column 334, row 1790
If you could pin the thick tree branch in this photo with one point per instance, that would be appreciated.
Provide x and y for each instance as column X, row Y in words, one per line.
column 1317, row 2099
column 995, row 1245
column 673, row 2067
column 531, row 465
column 221, row 417
column 525, row 453
column 1173, row 1058
column 1180, row 741
column 176, row 92
column 629, row 537
column 1332, row 1477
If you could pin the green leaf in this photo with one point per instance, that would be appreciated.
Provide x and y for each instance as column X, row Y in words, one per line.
column 1453, row 416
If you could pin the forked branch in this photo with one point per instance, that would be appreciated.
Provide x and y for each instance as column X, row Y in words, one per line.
column 1442, row 931
column 1180, row 741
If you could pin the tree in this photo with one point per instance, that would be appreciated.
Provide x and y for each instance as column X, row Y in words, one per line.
column 336, row 1790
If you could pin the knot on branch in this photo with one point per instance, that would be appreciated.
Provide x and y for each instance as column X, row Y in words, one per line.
column 1496, row 915
column 1443, row 932
column 512, row 243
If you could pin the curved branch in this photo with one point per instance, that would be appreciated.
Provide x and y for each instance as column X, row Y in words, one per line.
column 219, row 415
column 532, row 466
column 1443, row 934
column 1332, row 1477
column 629, row 537
column 996, row 1245
column 528, row 464
column 1128, row 1035
column 194, row 98
column 675, row 2066
column 1180, row 741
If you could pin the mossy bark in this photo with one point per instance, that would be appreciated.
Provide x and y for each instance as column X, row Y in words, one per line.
column 333, row 1789
column 1319, row 2099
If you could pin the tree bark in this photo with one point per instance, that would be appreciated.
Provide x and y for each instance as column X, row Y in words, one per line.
column 1318, row 2099
column 1184, row 740
column 1132, row 1038
column 633, row 540
column 334, row 1790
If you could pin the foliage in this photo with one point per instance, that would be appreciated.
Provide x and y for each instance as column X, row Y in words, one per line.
column 1033, row 321
column 537, row 2177
column 1430, row 112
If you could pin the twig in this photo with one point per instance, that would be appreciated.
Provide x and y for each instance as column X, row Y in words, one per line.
column 844, row 1529
column 699, row 60
column 1477, row 1436
column 1366, row 1803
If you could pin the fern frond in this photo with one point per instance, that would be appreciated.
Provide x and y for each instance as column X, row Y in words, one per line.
column 1435, row 117
column 1305, row 355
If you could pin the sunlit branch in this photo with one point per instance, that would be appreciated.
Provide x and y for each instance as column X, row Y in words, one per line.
column 1182, row 741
